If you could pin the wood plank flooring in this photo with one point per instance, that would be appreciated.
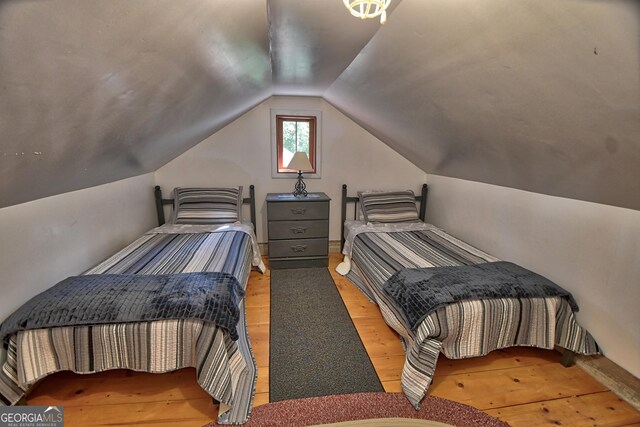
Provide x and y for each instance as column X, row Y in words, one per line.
column 522, row 386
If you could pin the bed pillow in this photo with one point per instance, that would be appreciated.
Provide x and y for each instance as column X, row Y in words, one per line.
column 389, row 207
column 207, row 205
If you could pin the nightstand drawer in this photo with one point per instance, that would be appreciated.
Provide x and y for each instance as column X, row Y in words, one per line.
column 298, row 248
column 297, row 210
column 279, row 230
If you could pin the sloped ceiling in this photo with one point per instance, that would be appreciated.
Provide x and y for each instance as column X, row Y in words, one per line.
column 539, row 95
column 92, row 91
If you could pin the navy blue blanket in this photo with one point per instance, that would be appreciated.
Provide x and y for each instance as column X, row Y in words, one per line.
column 420, row 291
column 121, row 298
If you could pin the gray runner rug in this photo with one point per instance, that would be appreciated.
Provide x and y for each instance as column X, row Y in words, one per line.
column 315, row 349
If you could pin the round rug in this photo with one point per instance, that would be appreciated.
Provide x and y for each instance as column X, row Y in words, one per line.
column 387, row 422
column 314, row 411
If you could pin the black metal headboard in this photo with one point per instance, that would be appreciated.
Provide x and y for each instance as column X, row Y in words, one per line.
column 160, row 202
column 422, row 198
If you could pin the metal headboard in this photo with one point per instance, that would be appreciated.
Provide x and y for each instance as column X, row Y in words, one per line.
column 160, row 203
column 422, row 198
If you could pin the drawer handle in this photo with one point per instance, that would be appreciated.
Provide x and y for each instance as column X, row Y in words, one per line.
column 298, row 211
column 299, row 248
column 298, row 230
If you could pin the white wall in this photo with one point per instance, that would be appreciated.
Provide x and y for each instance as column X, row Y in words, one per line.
column 592, row 250
column 47, row 240
column 240, row 154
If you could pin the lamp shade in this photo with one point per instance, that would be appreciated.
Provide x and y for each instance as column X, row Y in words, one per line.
column 300, row 162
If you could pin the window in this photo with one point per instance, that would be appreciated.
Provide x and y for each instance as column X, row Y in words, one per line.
column 294, row 131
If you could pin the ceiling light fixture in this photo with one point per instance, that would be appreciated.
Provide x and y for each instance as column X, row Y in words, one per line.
column 368, row 8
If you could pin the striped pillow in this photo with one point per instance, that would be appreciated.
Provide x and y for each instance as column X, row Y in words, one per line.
column 389, row 207
column 207, row 205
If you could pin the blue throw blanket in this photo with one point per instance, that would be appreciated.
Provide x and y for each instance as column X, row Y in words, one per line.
column 121, row 298
column 420, row 291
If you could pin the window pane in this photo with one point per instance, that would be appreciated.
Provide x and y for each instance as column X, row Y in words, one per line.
column 303, row 137
column 289, row 136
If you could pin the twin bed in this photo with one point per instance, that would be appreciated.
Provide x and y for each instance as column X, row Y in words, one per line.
column 207, row 247
column 393, row 256
column 206, row 241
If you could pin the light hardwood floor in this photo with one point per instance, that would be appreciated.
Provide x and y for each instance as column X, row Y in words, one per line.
column 523, row 386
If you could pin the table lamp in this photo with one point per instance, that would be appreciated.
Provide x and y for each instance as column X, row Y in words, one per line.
column 300, row 162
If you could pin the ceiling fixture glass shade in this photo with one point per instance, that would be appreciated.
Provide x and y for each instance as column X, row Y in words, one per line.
column 368, row 8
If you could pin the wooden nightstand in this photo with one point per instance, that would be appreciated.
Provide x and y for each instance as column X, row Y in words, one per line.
column 298, row 230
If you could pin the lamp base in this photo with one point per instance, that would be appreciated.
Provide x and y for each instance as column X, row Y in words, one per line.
column 300, row 188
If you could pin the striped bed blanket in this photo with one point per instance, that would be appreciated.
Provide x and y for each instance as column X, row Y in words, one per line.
column 225, row 368
column 97, row 299
column 421, row 291
column 461, row 329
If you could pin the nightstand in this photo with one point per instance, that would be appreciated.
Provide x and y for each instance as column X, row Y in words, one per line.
column 298, row 230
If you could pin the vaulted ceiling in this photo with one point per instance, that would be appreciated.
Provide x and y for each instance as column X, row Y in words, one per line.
column 538, row 95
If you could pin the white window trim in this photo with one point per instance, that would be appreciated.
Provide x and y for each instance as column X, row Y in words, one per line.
column 274, row 153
